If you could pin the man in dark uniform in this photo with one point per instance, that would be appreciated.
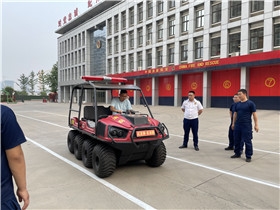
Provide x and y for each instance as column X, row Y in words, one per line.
column 242, row 125
column 12, row 162
column 230, row 131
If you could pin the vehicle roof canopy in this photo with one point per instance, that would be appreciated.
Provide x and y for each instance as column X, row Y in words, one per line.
column 104, row 86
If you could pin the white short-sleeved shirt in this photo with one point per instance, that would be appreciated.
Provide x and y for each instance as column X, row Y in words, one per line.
column 191, row 108
column 121, row 105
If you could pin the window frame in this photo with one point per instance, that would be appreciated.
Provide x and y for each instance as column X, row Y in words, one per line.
column 235, row 9
column 216, row 13
column 199, row 17
column 198, row 49
column 259, row 38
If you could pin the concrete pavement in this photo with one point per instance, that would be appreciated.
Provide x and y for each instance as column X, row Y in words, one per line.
column 189, row 179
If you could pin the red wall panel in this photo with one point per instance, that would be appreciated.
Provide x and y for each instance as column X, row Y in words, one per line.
column 225, row 83
column 265, row 81
column 146, row 86
column 166, row 86
column 192, row 82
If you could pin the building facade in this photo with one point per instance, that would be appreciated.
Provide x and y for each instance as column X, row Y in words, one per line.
column 170, row 47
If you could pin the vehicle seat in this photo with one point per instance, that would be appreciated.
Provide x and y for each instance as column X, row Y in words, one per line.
column 89, row 112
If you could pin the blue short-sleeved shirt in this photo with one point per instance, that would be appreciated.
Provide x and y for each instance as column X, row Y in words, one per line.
column 244, row 112
column 11, row 136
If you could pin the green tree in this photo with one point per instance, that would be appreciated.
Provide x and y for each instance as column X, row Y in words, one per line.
column 52, row 78
column 42, row 81
column 23, row 83
column 32, row 82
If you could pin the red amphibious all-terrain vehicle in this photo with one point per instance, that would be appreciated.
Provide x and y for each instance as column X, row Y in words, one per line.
column 103, row 140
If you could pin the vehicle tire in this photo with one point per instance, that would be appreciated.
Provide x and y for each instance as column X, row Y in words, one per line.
column 103, row 160
column 70, row 140
column 78, row 142
column 158, row 156
column 87, row 148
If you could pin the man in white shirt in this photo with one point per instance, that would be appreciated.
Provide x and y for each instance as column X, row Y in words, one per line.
column 121, row 104
column 192, row 108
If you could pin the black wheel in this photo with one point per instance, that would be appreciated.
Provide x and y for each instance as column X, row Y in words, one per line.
column 78, row 142
column 158, row 156
column 70, row 140
column 87, row 148
column 103, row 160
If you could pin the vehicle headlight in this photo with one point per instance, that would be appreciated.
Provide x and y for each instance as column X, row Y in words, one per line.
column 161, row 127
column 117, row 132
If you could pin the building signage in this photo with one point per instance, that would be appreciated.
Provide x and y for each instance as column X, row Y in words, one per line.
column 68, row 18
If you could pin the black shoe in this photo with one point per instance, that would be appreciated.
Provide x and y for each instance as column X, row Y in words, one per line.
column 183, row 146
column 196, row 148
column 248, row 159
column 236, row 156
column 229, row 148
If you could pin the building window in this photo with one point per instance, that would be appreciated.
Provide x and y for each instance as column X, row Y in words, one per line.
column 110, row 46
column 160, row 6
column 171, row 4
column 171, row 26
column 131, row 16
column 131, row 39
column 123, row 20
column 276, row 3
column 215, row 46
column 216, row 12
column 184, row 51
column 131, row 62
column 256, row 38
column 256, row 5
column 116, row 23
column 139, row 61
column 159, row 56
column 140, row 12
column 185, row 22
column 140, row 36
column 116, row 41
column 116, row 65
column 199, row 14
column 277, row 35
column 234, row 42
column 235, row 9
column 171, row 54
column 123, row 42
column 109, row 66
column 159, row 30
column 123, row 64
column 149, row 58
column 150, row 9
column 198, row 48
column 149, row 34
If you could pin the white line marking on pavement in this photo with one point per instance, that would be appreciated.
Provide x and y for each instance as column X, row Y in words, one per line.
column 102, row 181
column 214, row 142
column 43, row 121
column 226, row 172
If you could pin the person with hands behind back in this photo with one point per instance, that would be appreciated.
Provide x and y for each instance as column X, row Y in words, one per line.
column 12, row 162
column 242, row 125
column 121, row 104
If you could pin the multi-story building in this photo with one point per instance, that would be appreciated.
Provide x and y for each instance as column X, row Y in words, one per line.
column 170, row 47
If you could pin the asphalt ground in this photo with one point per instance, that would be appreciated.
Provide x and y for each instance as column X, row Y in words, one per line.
column 189, row 179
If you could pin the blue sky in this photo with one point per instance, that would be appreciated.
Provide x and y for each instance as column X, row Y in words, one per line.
column 28, row 38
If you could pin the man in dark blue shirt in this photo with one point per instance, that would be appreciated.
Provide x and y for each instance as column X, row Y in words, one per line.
column 242, row 125
column 230, row 131
column 12, row 162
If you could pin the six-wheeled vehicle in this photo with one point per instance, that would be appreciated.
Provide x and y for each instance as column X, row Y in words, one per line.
column 103, row 140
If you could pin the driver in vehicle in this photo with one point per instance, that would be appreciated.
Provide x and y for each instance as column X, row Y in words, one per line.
column 121, row 104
